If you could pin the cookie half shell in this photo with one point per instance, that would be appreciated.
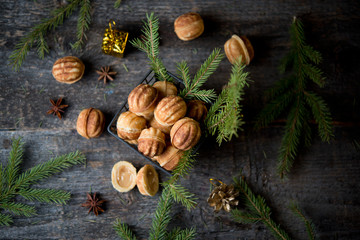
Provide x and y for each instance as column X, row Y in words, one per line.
column 147, row 181
column 123, row 176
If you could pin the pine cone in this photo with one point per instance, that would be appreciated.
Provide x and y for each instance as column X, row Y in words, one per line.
column 223, row 197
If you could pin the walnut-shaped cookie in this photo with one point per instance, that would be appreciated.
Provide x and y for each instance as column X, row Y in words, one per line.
column 185, row 133
column 239, row 46
column 167, row 112
column 196, row 110
column 90, row 123
column 151, row 142
column 147, row 180
column 170, row 158
column 142, row 100
column 165, row 88
column 129, row 125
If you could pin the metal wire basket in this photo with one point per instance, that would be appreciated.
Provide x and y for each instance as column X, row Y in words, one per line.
column 148, row 79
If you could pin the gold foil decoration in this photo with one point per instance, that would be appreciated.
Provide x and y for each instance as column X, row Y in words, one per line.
column 223, row 196
column 114, row 41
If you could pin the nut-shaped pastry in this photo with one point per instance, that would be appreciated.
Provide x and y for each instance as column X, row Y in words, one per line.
column 147, row 180
column 68, row 69
column 169, row 110
column 164, row 128
column 151, row 142
column 123, row 176
column 142, row 100
column 165, row 88
column 197, row 110
column 185, row 133
column 170, row 158
column 129, row 125
column 239, row 46
column 189, row 26
column 90, row 123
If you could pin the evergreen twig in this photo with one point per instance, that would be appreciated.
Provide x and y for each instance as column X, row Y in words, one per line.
column 123, row 230
column 150, row 45
column 13, row 184
column 37, row 33
column 192, row 87
column 117, row 3
column 256, row 210
column 291, row 93
column 83, row 23
column 224, row 118
column 162, row 216
column 310, row 228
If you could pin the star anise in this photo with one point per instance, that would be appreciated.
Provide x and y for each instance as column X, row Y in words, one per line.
column 56, row 108
column 93, row 203
column 105, row 74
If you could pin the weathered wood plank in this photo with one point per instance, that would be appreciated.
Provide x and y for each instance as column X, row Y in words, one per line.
column 325, row 180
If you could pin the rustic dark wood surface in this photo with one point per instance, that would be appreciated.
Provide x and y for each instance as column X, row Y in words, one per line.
column 324, row 181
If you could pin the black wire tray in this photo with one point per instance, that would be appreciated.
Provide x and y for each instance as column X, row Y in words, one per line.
column 149, row 79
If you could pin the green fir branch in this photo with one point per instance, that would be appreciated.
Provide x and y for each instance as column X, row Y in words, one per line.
column 184, row 166
column 5, row 220
column 173, row 233
column 14, row 161
column 150, row 45
column 12, row 183
column 45, row 195
column 256, row 210
column 83, row 23
column 186, row 234
column 310, row 227
column 224, row 118
column 291, row 139
column 192, row 87
column 291, row 93
column 36, row 35
column 123, row 230
column 18, row 208
column 321, row 114
column 182, row 195
column 162, row 216
column 49, row 168
column 117, row 3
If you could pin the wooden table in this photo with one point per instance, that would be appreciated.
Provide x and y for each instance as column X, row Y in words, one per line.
column 325, row 178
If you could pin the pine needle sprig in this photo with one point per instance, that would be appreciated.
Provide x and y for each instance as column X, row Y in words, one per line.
column 150, row 45
column 117, row 3
column 310, row 227
column 178, row 192
column 192, row 86
column 15, row 159
column 45, row 195
column 182, row 195
column 224, row 118
column 14, row 184
column 37, row 33
column 291, row 93
column 186, row 234
column 256, row 210
column 83, row 23
column 123, row 230
column 162, row 216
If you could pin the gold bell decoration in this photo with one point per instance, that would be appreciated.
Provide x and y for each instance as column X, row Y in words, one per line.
column 223, row 196
column 114, row 41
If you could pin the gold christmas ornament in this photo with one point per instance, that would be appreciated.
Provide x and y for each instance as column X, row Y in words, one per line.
column 114, row 41
column 223, row 196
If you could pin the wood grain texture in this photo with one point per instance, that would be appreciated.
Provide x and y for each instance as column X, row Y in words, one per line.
column 324, row 181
